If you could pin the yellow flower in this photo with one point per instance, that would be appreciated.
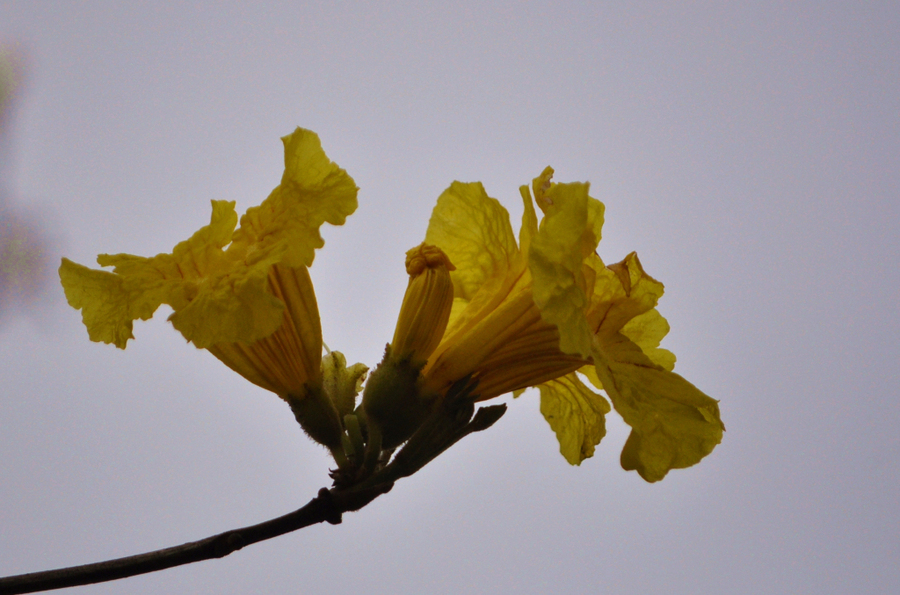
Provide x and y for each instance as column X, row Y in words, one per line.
column 533, row 313
column 243, row 294
column 496, row 332
column 480, row 308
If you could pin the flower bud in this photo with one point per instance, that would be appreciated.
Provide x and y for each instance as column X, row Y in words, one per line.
column 392, row 400
column 426, row 305
column 342, row 383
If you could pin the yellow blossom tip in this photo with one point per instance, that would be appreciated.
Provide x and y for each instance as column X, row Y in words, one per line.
column 424, row 257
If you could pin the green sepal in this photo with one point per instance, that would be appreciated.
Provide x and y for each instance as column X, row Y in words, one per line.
column 318, row 417
column 392, row 400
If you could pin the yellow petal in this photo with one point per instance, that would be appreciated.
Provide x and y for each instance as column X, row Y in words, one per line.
column 237, row 309
column 102, row 300
column 576, row 414
column 473, row 230
column 540, row 185
column 138, row 285
column 647, row 330
column 313, row 190
column 568, row 234
column 492, row 320
column 674, row 425
column 215, row 298
column 641, row 293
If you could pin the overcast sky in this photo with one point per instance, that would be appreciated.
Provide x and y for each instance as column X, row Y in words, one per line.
column 748, row 154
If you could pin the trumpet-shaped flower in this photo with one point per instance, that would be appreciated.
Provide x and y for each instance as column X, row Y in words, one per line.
column 533, row 313
column 495, row 333
column 243, row 294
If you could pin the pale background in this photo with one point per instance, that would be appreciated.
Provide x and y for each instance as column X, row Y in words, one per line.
column 749, row 154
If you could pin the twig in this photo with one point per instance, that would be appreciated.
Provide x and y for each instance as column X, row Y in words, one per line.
column 450, row 423
column 327, row 506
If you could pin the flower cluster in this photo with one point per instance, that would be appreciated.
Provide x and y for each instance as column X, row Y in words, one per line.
column 481, row 307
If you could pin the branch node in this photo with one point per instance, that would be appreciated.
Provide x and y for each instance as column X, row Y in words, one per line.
column 332, row 514
column 228, row 543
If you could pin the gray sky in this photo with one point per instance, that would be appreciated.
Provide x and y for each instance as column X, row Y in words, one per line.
column 749, row 154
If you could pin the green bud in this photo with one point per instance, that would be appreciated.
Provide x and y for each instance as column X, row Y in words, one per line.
column 391, row 400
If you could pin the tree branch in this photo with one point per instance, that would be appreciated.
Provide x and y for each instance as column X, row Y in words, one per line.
column 327, row 506
column 450, row 422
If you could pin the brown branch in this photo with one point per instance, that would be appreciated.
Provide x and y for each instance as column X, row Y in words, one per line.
column 327, row 506
column 450, row 423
